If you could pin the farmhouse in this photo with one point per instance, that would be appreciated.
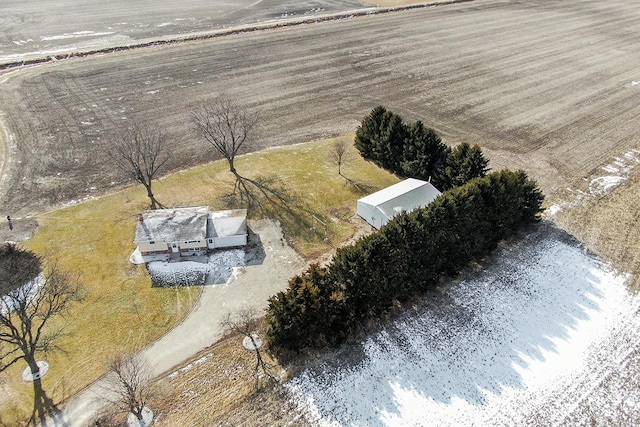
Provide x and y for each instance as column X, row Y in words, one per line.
column 180, row 232
column 380, row 207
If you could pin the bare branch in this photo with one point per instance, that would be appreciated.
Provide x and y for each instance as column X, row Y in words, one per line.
column 140, row 153
column 245, row 322
column 340, row 152
column 25, row 313
column 128, row 385
column 225, row 125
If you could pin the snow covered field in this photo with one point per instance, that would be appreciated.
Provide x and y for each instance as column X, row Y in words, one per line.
column 529, row 341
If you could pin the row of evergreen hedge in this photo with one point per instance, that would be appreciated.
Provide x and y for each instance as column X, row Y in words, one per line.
column 324, row 305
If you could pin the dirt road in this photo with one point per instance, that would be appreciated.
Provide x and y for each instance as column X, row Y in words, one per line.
column 550, row 87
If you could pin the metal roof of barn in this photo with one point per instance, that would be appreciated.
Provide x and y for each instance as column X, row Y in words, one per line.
column 405, row 196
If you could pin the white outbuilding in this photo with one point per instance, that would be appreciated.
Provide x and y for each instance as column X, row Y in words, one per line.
column 380, row 207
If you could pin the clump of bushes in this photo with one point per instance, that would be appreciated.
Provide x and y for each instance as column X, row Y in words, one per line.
column 407, row 257
column 415, row 151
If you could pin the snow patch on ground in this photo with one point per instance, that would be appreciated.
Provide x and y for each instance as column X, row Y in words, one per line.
column 189, row 366
column 25, row 293
column 518, row 345
column 617, row 173
column 82, row 41
column 218, row 267
column 77, row 34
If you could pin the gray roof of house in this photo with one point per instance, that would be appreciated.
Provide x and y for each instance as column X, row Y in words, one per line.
column 227, row 223
column 172, row 225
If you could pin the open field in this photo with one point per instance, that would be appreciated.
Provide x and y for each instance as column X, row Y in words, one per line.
column 609, row 223
column 47, row 27
column 525, row 341
column 548, row 87
column 557, row 288
column 541, row 334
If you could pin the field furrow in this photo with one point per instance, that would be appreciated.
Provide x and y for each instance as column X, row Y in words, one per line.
column 540, row 85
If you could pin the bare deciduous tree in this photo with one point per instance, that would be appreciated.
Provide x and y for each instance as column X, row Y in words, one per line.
column 140, row 153
column 339, row 152
column 227, row 126
column 28, row 302
column 245, row 323
column 128, row 385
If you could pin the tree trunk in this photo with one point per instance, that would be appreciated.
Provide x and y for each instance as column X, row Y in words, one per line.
column 154, row 203
column 137, row 411
column 43, row 405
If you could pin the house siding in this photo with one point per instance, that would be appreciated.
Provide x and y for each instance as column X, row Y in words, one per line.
column 227, row 242
column 193, row 244
column 153, row 247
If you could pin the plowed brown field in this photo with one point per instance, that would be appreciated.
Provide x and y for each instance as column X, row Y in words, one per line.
column 551, row 87
column 544, row 86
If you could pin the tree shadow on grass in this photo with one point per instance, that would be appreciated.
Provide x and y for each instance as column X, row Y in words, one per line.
column 268, row 197
column 358, row 187
column 480, row 338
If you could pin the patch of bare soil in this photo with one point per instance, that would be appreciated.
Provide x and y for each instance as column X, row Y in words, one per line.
column 544, row 86
column 400, row 3
column 21, row 229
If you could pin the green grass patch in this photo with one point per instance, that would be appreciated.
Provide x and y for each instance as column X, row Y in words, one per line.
column 121, row 312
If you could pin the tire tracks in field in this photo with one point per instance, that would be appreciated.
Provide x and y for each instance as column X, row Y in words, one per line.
column 5, row 138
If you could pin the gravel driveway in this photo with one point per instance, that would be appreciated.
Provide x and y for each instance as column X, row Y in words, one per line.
column 251, row 287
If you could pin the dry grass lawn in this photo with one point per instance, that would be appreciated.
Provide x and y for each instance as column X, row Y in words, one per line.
column 218, row 388
column 610, row 225
column 121, row 312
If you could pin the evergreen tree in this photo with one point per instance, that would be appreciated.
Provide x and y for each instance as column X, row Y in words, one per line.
column 391, row 146
column 424, row 152
column 464, row 163
column 310, row 313
column 381, row 138
column 407, row 256
column 368, row 134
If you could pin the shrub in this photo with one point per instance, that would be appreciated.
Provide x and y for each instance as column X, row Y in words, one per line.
column 406, row 257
